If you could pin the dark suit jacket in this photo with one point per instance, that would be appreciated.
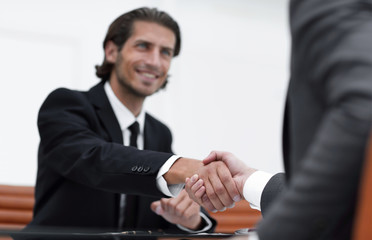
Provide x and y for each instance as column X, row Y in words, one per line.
column 327, row 121
column 83, row 165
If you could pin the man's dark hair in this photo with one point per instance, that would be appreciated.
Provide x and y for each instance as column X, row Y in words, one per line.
column 122, row 28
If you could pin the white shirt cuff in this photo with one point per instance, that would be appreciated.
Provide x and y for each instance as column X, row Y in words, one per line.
column 171, row 190
column 254, row 186
column 205, row 228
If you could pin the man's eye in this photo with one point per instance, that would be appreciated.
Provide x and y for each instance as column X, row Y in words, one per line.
column 142, row 45
column 166, row 52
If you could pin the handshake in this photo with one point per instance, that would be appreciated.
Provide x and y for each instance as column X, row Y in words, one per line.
column 219, row 183
column 216, row 184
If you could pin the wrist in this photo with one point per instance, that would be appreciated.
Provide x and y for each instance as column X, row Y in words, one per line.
column 197, row 225
column 181, row 169
column 245, row 175
column 206, row 225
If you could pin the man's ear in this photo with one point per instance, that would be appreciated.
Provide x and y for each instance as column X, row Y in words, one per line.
column 111, row 52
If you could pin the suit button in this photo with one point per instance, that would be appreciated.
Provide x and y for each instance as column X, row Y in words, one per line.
column 146, row 169
column 134, row 168
column 140, row 169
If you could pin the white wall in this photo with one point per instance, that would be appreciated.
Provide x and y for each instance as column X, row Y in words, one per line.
column 226, row 91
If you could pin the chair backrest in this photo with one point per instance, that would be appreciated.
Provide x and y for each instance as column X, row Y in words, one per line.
column 240, row 216
column 363, row 219
column 17, row 202
column 16, row 205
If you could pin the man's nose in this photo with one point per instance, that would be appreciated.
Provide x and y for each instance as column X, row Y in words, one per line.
column 153, row 58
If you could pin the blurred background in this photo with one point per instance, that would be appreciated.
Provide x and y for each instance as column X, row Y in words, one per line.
column 226, row 91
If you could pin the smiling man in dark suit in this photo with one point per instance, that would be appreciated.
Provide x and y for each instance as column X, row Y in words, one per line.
column 88, row 175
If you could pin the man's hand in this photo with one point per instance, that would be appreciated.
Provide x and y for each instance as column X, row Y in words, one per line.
column 179, row 210
column 238, row 169
column 209, row 191
column 220, row 188
column 216, row 176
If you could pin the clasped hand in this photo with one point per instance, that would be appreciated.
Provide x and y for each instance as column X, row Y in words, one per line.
column 179, row 210
column 219, row 183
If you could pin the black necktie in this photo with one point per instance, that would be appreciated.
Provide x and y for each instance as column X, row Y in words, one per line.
column 130, row 214
column 134, row 130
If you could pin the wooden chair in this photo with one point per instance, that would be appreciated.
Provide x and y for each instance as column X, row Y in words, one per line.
column 363, row 219
column 16, row 204
column 240, row 216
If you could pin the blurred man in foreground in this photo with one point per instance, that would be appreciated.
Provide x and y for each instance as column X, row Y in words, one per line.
column 328, row 119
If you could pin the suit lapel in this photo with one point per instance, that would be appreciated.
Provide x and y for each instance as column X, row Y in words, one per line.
column 105, row 112
column 150, row 143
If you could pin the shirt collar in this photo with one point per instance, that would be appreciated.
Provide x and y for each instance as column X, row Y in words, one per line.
column 122, row 113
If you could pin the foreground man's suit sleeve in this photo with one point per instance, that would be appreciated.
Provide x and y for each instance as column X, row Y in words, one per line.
column 328, row 120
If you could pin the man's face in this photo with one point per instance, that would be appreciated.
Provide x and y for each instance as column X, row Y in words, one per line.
column 142, row 65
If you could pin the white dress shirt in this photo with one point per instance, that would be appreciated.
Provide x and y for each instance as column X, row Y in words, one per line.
column 252, row 191
column 125, row 119
column 254, row 186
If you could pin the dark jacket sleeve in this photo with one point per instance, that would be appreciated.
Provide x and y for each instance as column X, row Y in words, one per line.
column 271, row 191
column 76, row 145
